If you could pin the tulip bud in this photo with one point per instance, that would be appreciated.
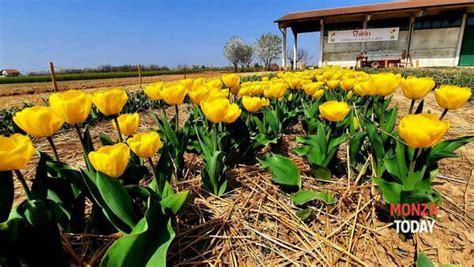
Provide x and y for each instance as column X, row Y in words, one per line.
column 452, row 97
column 15, row 152
column 73, row 106
column 422, row 130
column 334, row 111
column 111, row 160
column 38, row 121
column 145, row 145
column 417, row 88
column 128, row 123
column 110, row 102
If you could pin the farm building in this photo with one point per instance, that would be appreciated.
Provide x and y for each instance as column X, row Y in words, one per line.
column 9, row 73
column 405, row 33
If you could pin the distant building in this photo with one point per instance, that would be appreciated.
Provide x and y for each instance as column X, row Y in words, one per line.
column 10, row 73
column 411, row 32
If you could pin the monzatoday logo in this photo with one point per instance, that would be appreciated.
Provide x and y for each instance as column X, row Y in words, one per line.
column 424, row 211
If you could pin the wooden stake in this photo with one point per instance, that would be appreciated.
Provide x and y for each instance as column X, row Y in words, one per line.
column 139, row 75
column 53, row 76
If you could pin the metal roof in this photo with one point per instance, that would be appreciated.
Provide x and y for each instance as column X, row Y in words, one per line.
column 354, row 10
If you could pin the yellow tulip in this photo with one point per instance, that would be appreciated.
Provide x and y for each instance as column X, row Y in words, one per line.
column 174, row 94
column 416, row 88
column 145, row 145
column 110, row 102
column 215, row 109
column 334, row 111
column 199, row 94
column 38, row 121
column 276, row 89
column 73, row 106
column 232, row 81
column 128, row 123
column 153, row 91
column 385, row 83
column 187, row 83
column 265, row 78
column 232, row 114
column 216, row 84
column 422, row 130
column 220, row 110
column 111, row 160
column 311, row 88
column 347, row 84
column 254, row 104
column 198, row 83
column 15, row 152
column 318, row 94
column 364, row 88
column 332, row 84
column 452, row 97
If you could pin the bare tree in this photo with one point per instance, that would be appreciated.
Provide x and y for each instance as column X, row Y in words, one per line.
column 301, row 56
column 268, row 48
column 233, row 51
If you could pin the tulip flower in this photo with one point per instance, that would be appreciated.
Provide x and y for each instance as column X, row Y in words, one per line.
column 364, row 88
column 232, row 81
column 73, row 106
column 145, row 145
column 38, row 121
column 111, row 160
column 174, row 94
column 216, row 84
column 332, row 84
column 349, row 95
column 311, row 88
column 187, row 83
column 200, row 93
column 422, row 130
column 318, row 94
column 110, row 102
column 220, row 110
column 452, row 97
column 153, row 91
column 276, row 90
column 254, row 104
column 334, row 111
column 385, row 83
column 15, row 152
column 128, row 124
column 347, row 84
column 416, row 88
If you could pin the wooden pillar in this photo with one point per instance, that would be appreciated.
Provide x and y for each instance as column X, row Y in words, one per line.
column 364, row 26
column 321, row 43
column 460, row 39
column 295, row 49
column 53, row 76
column 411, row 28
column 139, row 75
column 283, row 48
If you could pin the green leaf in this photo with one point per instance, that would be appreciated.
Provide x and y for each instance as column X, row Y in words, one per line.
column 423, row 261
column 321, row 172
column 6, row 194
column 304, row 214
column 446, row 148
column 213, row 174
column 284, row 171
column 175, row 202
column 390, row 191
column 105, row 139
column 302, row 197
column 146, row 245
column 266, row 139
column 39, row 188
column 116, row 198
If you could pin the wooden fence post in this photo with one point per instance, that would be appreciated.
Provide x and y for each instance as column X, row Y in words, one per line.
column 53, row 76
column 139, row 75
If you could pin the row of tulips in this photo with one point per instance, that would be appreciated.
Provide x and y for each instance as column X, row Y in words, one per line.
column 227, row 122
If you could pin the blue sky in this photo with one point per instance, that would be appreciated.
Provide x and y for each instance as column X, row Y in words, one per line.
column 87, row 33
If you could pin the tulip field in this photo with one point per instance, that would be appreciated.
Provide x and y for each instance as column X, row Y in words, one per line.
column 286, row 168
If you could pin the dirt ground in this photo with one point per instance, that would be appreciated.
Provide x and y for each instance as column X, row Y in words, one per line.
column 255, row 223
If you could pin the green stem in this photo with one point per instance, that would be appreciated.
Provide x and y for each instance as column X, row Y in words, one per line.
column 23, row 183
column 118, row 129
column 152, row 167
column 445, row 111
column 177, row 118
column 84, row 146
column 53, row 147
column 382, row 112
column 411, row 106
